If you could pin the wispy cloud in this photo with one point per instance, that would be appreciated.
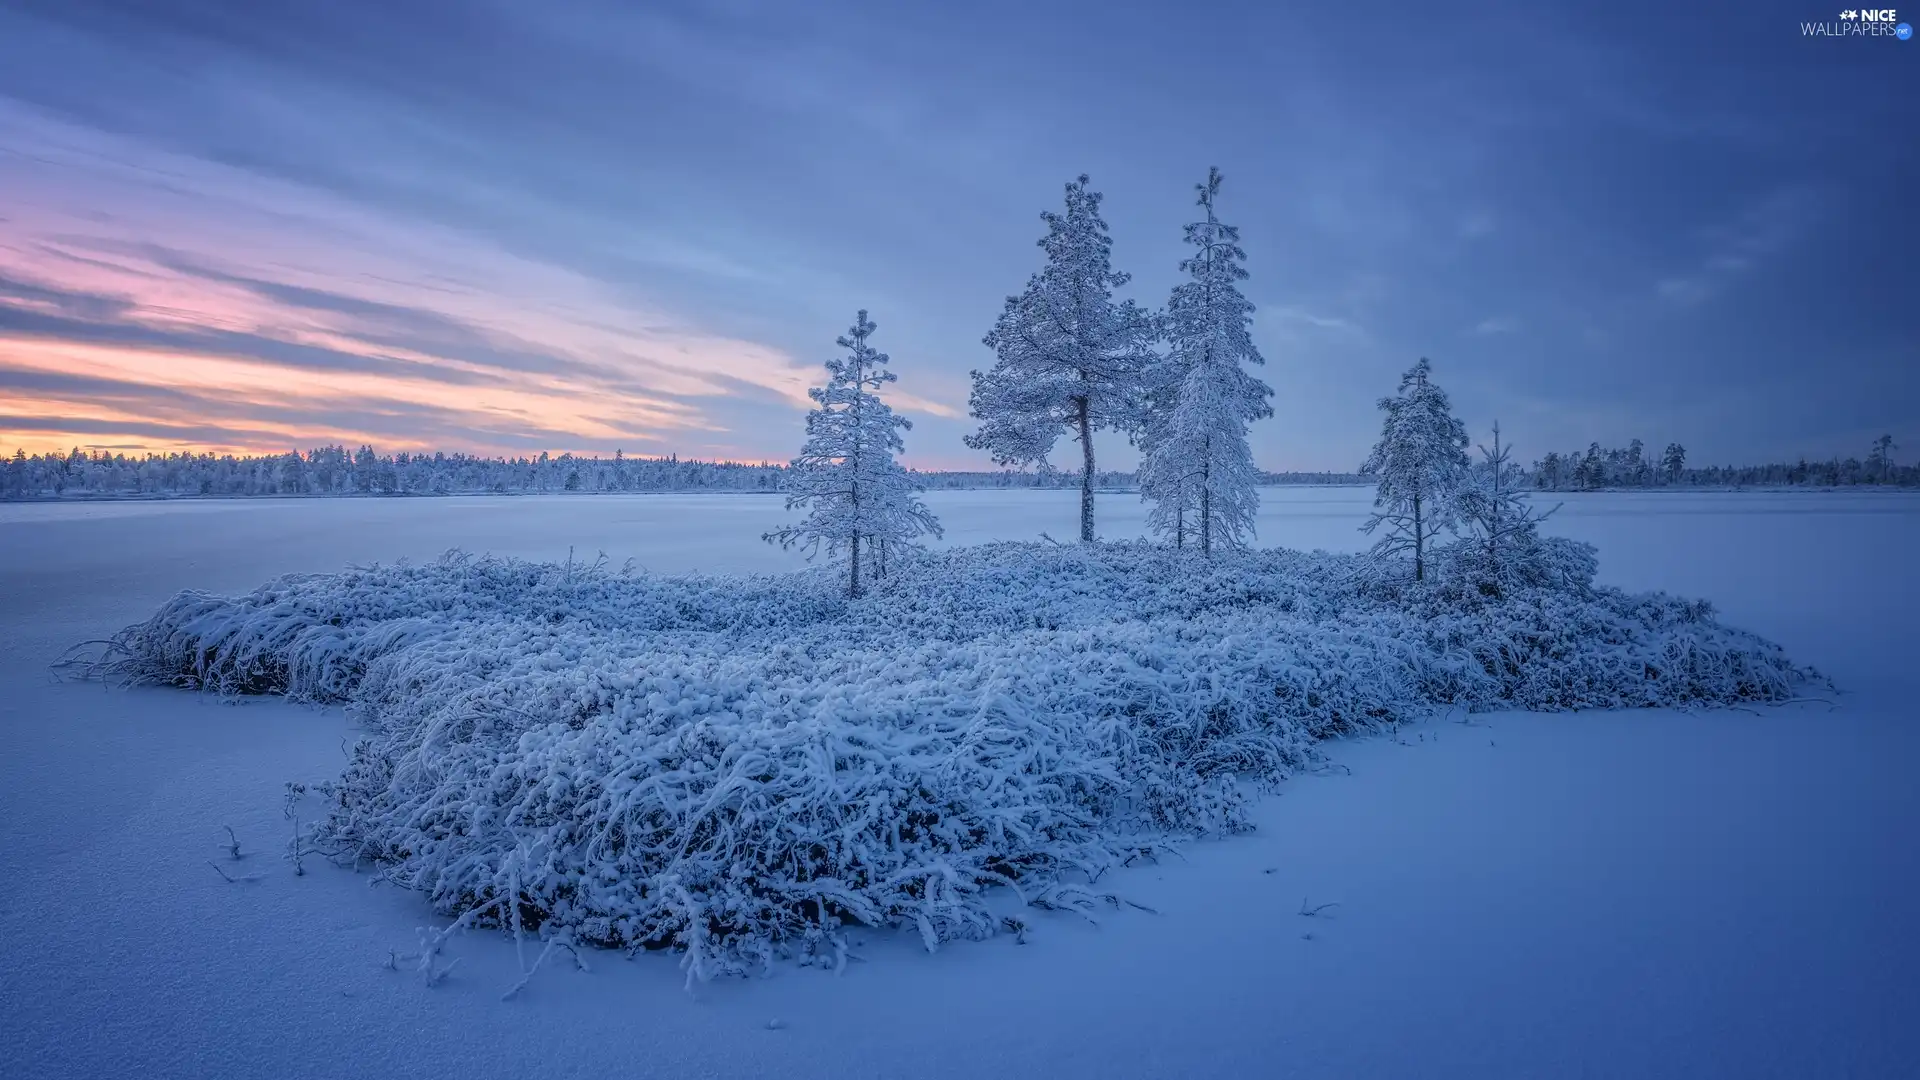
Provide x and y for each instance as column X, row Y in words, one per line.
column 1301, row 317
column 593, row 223
column 272, row 292
column 1737, row 246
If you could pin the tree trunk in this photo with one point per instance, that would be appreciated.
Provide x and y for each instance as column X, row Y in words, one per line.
column 1206, row 486
column 1419, row 544
column 1499, row 466
column 1086, row 469
column 853, row 468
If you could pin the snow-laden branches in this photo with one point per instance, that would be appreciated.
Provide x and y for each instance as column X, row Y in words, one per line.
column 1196, row 467
column 1067, row 356
column 846, row 477
column 739, row 767
column 1500, row 540
column 1421, row 464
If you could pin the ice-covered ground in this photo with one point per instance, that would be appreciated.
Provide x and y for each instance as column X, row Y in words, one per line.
column 1608, row 894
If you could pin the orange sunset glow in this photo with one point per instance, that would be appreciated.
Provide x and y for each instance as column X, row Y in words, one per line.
column 252, row 316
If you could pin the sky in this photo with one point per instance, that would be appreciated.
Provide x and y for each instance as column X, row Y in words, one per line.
column 510, row 226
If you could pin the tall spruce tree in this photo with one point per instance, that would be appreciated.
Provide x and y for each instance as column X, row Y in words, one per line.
column 1067, row 356
column 1196, row 467
column 846, row 476
column 1421, row 463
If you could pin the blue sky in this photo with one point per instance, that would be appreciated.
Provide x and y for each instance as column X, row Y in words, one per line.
column 586, row 224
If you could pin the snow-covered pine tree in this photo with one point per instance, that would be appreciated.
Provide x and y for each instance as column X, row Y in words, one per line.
column 1592, row 471
column 1196, row 467
column 1674, row 461
column 846, row 476
column 1170, row 496
column 1880, row 458
column 1067, row 356
column 1498, row 512
column 896, row 516
column 1421, row 460
column 1547, row 471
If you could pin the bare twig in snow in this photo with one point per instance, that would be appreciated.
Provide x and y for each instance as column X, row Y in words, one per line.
column 229, row 879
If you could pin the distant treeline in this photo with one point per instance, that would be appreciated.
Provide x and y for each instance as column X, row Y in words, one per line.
column 333, row 470
column 1105, row 478
column 1596, row 468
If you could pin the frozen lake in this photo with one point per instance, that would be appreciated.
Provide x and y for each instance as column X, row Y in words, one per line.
column 1783, row 564
column 1643, row 894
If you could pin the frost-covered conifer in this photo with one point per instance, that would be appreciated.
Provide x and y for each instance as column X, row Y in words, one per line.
column 1066, row 354
column 846, row 476
column 1500, row 521
column 1674, row 461
column 1880, row 458
column 896, row 516
column 1196, row 467
column 1547, row 471
column 1421, row 462
column 1591, row 473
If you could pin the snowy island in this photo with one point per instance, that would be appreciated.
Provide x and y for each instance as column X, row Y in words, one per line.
column 741, row 768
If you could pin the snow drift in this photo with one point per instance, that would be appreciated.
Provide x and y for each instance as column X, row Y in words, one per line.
column 738, row 767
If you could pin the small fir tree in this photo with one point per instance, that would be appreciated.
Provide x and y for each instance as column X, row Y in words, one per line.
column 846, row 476
column 1421, row 463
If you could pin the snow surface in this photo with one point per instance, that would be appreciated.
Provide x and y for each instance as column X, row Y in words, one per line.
column 1638, row 893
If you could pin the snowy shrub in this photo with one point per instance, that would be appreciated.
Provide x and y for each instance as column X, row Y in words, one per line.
column 1525, row 560
column 739, row 767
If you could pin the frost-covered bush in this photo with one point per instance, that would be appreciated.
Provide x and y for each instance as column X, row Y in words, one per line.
column 1525, row 560
column 738, row 767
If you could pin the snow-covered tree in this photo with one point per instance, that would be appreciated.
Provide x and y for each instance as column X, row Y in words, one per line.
column 1196, row 467
column 1592, row 470
column 1497, row 512
column 1636, row 466
column 1674, row 462
column 1547, row 470
column 1880, row 458
column 1067, row 356
column 1421, row 463
column 897, row 517
column 846, row 476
